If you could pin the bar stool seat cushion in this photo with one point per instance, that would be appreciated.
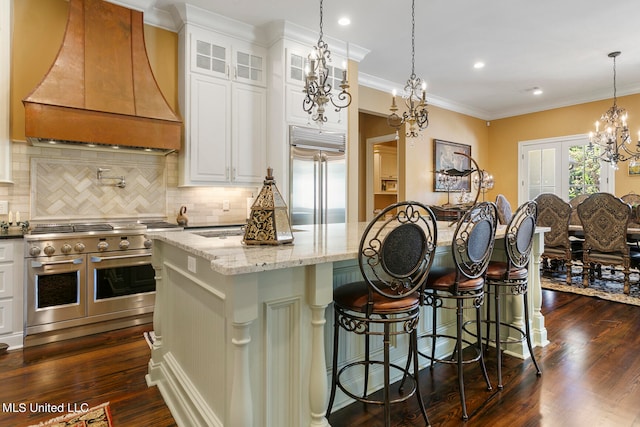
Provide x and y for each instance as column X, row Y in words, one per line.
column 498, row 269
column 355, row 297
column 444, row 279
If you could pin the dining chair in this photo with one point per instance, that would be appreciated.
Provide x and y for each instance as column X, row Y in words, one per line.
column 633, row 199
column 510, row 277
column 395, row 255
column 605, row 219
column 504, row 209
column 461, row 287
column 558, row 253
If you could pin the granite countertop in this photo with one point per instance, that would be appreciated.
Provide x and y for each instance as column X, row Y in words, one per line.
column 312, row 245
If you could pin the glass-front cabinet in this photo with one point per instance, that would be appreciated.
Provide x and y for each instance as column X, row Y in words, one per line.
column 224, row 101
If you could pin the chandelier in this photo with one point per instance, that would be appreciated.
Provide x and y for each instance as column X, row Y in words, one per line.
column 414, row 96
column 612, row 137
column 317, row 85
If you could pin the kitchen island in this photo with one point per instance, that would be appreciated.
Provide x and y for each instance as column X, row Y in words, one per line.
column 241, row 332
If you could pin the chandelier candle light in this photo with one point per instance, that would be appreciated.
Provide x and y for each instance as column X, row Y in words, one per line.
column 317, row 86
column 415, row 94
column 613, row 139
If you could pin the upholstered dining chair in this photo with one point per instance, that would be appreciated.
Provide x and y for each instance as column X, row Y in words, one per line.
column 395, row 255
column 510, row 277
column 555, row 213
column 504, row 209
column 461, row 287
column 574, row 204
column 605, row 219
column 633, row 199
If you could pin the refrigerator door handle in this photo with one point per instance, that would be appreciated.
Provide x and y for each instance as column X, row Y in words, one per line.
column 317, row 187
column 324, row 188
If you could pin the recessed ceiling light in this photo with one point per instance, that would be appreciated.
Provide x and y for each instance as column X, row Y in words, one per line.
column 537, row 91
column 344, row 21
column 478, row 65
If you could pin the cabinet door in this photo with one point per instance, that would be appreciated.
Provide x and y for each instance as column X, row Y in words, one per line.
column 6, row 280
column 210, row 133
column 6, row 316
column 250, row 65
column 210, row 55
column 388, row 165
column 249, row 147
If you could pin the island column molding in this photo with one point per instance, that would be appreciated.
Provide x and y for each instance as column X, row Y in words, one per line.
column 243, row 311
column 539, row 331
column 157, row 310
column 320, row 292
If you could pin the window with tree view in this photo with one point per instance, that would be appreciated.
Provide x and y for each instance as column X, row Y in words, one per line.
column 584, row 170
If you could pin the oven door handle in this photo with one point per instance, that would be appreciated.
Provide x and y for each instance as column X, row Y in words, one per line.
column 100, row 259
column 38, row 264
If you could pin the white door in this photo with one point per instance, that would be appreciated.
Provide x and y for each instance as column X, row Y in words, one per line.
column 559, row 166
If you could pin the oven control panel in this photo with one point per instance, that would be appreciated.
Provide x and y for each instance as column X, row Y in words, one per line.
column 70, row 245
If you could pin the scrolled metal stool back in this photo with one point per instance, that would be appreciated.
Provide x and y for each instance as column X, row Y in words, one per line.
column 397, row 248
column 474, row 238
column 519, row 234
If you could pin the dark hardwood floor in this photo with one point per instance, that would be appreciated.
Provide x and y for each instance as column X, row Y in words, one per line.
column 591, row 377
column 108, row 367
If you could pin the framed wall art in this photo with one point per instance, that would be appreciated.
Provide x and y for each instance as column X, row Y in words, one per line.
column 444, row 158
column 634, row 169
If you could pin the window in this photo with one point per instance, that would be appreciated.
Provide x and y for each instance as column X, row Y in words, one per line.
column 584, row 171
column 561, row 166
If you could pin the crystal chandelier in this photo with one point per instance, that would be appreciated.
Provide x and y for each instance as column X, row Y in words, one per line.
column 317, row 86
column 415, row 92
column 612, row 136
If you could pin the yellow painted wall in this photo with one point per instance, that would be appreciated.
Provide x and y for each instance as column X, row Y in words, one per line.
column 504, row 135
column 418, row 153
column 38, row 30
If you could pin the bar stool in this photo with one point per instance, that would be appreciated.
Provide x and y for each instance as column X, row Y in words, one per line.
column 395, row 255
column 511, row 277
column 461, row 288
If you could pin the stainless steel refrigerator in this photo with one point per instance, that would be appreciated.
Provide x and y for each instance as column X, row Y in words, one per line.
column 318, row 176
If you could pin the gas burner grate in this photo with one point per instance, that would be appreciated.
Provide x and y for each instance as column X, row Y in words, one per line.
column 52, row 228
column 82, row 228
column 70, row 228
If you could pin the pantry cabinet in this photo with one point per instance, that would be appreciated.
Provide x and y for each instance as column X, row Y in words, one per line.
column 224, row 99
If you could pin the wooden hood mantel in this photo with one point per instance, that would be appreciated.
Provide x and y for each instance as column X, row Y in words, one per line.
column 100, row 89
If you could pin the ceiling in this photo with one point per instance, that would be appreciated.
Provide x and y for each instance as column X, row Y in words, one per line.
column 559, row 46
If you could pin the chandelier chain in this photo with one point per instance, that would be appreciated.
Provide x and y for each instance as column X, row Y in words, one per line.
column 615, row 98
column 413, row 39
column 321, row 33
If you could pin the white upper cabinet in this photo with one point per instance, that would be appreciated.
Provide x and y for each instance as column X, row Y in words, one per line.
column 224, row 57
column 224, row 100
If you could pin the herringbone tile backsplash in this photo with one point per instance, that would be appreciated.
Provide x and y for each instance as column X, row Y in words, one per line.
column 68, row 189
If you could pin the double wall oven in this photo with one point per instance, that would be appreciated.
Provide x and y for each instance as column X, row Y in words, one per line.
column 87, row 276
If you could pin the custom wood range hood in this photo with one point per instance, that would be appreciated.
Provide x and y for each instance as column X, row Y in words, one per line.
column 100, row 89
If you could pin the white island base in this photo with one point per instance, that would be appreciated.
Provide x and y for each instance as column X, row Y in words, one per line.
column 242, row 337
